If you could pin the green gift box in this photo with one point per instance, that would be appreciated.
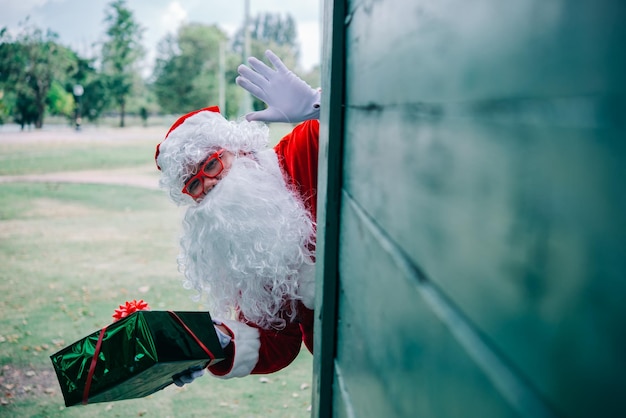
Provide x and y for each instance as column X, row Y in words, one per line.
column 135, row 356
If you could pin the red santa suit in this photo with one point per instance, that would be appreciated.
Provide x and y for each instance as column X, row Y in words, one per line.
column 254, row 350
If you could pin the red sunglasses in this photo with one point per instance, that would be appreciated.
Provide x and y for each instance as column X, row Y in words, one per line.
column 211, row 168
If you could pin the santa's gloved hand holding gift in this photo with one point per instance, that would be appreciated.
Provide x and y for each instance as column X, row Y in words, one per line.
column 193, row 373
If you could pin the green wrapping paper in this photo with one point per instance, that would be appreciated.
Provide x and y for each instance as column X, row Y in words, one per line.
column 135, row 356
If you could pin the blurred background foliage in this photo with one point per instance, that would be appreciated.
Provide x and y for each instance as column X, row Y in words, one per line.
column 194, row 68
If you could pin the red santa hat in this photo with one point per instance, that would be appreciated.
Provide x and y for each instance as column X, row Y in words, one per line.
column 197, row 134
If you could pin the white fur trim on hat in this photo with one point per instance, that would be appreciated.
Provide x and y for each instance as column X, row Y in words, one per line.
column 190, row 142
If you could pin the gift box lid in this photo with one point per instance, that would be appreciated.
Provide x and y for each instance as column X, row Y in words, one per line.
column 135, row 356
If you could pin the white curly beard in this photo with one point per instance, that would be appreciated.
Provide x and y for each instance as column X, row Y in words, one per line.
column 247, row 242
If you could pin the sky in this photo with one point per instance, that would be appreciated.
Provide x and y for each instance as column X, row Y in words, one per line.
column 80, row 23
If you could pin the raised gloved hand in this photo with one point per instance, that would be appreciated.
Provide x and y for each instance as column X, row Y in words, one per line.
column 288, row 97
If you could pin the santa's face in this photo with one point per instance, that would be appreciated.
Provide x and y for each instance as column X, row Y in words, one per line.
column 210, row 172
column 246, row 241
column 188, row 144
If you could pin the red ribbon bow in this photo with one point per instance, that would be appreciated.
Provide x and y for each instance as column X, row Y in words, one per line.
column 129, row 307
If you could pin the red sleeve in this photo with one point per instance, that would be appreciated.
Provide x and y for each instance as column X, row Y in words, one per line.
column 262, row 351
column 306, row 319
column 298, row 157
column 278, row 348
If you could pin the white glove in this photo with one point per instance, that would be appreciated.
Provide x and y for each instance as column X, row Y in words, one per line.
column 288, row 97
column 195, row 372
column 188, row 375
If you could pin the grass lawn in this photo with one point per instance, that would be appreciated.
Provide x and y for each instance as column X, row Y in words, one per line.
column 71, row 253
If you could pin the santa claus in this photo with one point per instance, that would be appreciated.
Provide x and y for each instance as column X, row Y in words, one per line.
column 248, row 244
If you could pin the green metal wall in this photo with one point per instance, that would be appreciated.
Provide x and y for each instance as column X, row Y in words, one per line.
column 472, row 223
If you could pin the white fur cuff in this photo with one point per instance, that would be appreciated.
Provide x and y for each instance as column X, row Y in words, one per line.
column 247, row 343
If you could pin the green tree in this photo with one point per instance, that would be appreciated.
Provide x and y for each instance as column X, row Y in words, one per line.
column 143, row 102
column 59, row 101
column 270, row 31
column 96, row 97
column 186, row 74
column 121, row 53
column 6, row 105
column 29, row 64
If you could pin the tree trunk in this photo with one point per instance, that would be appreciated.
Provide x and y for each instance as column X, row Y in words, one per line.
column 122, row 112
column 40, row 103
column 39, row 120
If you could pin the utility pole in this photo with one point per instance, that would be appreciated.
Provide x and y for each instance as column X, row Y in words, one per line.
column 222, row 78
column 246, row 102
